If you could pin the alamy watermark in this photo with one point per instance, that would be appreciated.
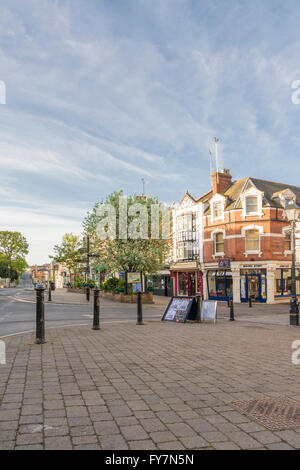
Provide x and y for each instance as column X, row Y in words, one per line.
column 2, row 353
column 134, row 222
column 2, row 92
column 296, row 94
column 296, row 354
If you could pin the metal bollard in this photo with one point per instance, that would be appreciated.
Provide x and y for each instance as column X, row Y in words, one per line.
column 88, row 293
column 231, row 318
column 139, row 309
column 49, row 294
column 250, row 301
column 40, row 315
column 198, row 316
column 96, row 320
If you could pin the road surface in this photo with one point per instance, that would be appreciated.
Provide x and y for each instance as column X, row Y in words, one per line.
column 18, row 316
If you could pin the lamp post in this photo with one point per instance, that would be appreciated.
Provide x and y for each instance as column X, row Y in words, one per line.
column 292, row 214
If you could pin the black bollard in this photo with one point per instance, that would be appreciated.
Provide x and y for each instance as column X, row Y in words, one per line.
column 250, row 301
column 88, row 293
column 96, row 320
column 228, row 301
column 40, row 315
column 49, row 294
column 139, row 309
column 198, row 300
column 231, row 318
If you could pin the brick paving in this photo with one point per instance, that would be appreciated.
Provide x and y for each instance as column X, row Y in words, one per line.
column 158, row 386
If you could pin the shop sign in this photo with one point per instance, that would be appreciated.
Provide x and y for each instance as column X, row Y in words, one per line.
column 181, row 309
column 224, row 263
column 209, row 310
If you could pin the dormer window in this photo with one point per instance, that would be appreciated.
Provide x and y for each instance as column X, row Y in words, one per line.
column 251, row 204
column 217, row 209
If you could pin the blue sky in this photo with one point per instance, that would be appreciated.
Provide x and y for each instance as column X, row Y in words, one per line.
column 102, row 93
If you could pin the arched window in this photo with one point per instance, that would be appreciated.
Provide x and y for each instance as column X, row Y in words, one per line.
column 252, row 240
column 219, row 243
column 251, row 204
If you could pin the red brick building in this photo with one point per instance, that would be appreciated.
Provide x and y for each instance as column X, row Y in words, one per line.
column 244, row 239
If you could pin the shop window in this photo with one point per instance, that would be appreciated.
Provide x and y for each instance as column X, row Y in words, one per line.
column 287, row 241
column 219, row 243
column 182, row 283
column 252, row 240
column 251, row 204
column 219, row 284
column 283, row 282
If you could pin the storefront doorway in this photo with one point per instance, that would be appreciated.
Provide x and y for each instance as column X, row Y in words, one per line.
column 189, row 283
column 253, row 285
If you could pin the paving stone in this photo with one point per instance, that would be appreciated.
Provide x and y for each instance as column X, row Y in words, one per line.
column 78, row 440
column 181, row 429
column 162, row 436
column 7, row 445
column 265, row 437
column 33, row 438
column 194, row 442
column 172, row 445
column 113, row 442
column 243, row 440
column 58, row 443
column 106, row 427
column 76, row 411
column 133, row 433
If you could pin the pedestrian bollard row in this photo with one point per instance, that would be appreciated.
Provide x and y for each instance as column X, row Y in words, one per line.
column 139, row 309
column 96, row 316
column 231, row 317
column 40, row 315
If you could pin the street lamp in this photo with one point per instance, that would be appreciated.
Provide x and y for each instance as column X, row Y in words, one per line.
column 292, row 214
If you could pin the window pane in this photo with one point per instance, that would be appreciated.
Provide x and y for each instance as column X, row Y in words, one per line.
column 219, row 242
column 287, row 241
column 252, row 240
column 251, row 204
column 217, row 209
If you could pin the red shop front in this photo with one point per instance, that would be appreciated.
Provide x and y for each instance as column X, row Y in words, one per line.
column 187, row 282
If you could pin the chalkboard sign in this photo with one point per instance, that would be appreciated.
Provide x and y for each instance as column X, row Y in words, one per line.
column 208, row 310
column 181, row 309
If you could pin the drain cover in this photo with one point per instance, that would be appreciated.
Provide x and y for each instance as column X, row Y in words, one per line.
column 273, row 413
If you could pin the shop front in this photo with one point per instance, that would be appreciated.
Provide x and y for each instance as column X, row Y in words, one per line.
column 219, row 284
column 283, row 282
column 160, row 283
column 187, row 279
column 253, row 285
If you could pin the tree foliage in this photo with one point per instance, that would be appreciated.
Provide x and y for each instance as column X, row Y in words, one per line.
column 68, row 251
column 131, row 254
column 13, row 248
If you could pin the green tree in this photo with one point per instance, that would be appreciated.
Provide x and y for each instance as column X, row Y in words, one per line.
column 68, row 251
column 13, row 248
column 136, row 253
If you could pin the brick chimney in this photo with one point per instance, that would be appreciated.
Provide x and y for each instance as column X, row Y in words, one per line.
column 221, row 180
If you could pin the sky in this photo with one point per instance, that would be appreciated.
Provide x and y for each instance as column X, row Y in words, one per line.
column 102, row 93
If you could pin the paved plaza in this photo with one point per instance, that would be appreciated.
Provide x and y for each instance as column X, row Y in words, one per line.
column 158, row 386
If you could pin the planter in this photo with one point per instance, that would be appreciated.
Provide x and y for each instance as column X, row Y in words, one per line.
column 78, row 291
column 147, row 298
column 131, row 299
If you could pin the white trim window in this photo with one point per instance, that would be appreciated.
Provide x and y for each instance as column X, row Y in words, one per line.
column 217, row 205
column 251, row 204
column 287, row 241
column 252, row 240
column 219, row 243
column 218, row 209
column 252, row 234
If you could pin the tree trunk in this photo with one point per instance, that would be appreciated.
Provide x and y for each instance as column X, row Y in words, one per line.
column 141, row 277
column 126, row 283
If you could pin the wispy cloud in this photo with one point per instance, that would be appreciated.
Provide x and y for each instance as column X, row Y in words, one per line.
column 100, row 94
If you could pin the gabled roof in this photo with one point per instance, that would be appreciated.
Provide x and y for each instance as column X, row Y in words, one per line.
column 270, row 190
